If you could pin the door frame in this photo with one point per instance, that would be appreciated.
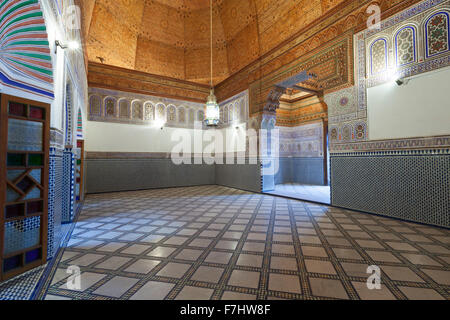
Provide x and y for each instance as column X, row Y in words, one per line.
column 43, row 238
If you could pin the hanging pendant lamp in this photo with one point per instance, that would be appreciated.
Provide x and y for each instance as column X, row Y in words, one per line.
column 212, row 113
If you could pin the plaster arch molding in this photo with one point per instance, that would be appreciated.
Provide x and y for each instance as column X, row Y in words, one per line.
column 25, row 57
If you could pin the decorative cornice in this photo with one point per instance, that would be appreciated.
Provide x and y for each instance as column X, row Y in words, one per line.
column 120, row 79
column 438, row 142
column 419, row 152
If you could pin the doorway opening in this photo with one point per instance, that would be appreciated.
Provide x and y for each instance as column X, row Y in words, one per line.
column 302, row 120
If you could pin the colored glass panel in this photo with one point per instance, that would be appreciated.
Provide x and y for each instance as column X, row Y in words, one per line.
column 12, row 263
column 35, row 160
column 14, row 211
column 33, row 255
column 12, row 175
column 36, row 175
column 15, row 160
column 34, row 207
column 17, row 109
column 22, row 234
column 37, row 113
column 34, row 194
column 11, row 195
column 24, row 135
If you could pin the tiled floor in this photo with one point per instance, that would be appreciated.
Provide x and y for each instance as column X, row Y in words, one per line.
column 307, row 192
column 213, row 242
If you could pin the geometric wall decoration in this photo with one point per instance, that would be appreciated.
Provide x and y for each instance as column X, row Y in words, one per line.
column 171, row 114
column 405, row 45
column 24, row 173
column 124, row 109
column 347, row 123
column 95, row 106
column 149, row 112
column 134, row 108
column 137, row 110
column 79, row 125
column 69, row 114
column 407, row 185
column 234, row 109
column 414, row 41
column 437, row 34
column 110, row 107
column 302, row 141
column 401, row 178
column 68, row 186
column 400, row 48
column 378, row 56
column 55, row 192
column 25, row 60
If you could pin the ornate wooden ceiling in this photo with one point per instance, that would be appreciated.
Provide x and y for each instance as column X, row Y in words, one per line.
column 171, row 37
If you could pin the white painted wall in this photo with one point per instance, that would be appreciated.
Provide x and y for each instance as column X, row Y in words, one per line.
column 117, row 137
column 419, row 109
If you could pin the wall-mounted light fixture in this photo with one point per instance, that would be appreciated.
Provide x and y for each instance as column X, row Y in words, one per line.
column 159, row 124
column 72, row 45
column 401, row 81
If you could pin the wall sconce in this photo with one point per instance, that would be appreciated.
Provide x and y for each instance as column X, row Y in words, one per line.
column 72, row 45
column 159, row 124
column 402, row 81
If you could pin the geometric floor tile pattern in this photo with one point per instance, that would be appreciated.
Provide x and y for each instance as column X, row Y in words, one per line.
column 213, row 242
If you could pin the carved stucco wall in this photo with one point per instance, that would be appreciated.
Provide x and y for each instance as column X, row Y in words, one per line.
column 402, row 177
column 304, row 141
column 347, row 108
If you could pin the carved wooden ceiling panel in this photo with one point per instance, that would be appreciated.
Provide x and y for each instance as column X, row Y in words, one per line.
column 171, row 37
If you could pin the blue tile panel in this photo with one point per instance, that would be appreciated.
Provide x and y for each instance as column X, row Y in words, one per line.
column 412, row 186
column 54, row 201
column 68, row 186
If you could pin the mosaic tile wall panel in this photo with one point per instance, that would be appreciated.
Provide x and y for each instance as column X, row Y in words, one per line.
column 417, row 40
column 54, row 201
column 244, row 177
column 300, row 170
column 347, row 123
column 412, row 186
column 302, row 141
column 68, row 186
column 59, row 187
column 406, row 38
column 111, row 175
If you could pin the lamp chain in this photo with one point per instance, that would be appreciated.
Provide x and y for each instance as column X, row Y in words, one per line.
column 211, row 44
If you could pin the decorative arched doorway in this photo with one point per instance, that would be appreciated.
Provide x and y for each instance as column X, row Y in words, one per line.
column 301, row 159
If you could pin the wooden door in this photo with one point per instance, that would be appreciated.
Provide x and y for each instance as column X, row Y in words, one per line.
column 24, row 168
